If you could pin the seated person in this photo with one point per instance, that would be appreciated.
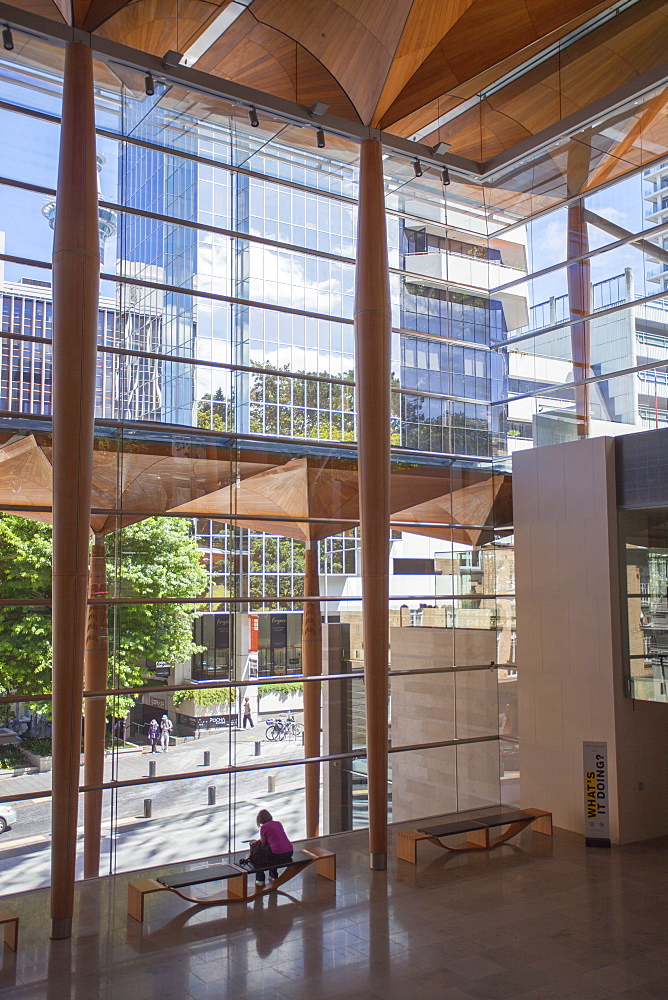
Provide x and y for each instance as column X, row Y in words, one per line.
column 272, row 847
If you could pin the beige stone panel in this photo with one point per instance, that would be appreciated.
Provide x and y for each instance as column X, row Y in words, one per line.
column 525, row 489
column 424, row 783
column 576, row 714
column 529, row 633
column 561, row 791
column 571, row 546
column 526, row 700
column 533, row 791
column 582, row 635
column 554, row 622
column 579, row 483
column 478, row 773
column 552, row 485
column 544, row 556
column 476, row 703
column 549, row 711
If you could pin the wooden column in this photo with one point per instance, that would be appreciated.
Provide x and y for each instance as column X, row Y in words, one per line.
column 96, row 663
column 311, row 666
column 372, row 374
column 76, row 270
column 579, row 303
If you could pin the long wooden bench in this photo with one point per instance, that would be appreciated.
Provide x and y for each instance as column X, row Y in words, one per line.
column 235, row 878
column 477, row 825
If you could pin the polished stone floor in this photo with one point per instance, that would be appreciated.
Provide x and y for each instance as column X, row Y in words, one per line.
column 541, row 919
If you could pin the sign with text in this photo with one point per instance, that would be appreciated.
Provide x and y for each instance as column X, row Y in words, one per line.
column 597, row 805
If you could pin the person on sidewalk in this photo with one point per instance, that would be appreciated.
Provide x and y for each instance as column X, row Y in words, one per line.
column 166, row 726
column 247, row 714
column 272, row 847
column 153, row 735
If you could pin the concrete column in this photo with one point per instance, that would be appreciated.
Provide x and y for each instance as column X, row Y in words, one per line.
column 76, row 269
column 96, row 663
column 312, row 666
column 372, row 374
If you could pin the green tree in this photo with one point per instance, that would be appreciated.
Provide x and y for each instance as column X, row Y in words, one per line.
column 158, row 557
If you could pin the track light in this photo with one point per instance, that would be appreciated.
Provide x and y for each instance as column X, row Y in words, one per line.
column 445, row 176
column 417, row 167
column 320, row 138
column 7, row 38
column 149, row 85
column 253, row 118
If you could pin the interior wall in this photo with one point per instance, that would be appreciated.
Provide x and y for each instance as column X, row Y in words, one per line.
column 570, row 648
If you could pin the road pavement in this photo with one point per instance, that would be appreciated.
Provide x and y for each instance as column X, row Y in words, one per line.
column 182, row 824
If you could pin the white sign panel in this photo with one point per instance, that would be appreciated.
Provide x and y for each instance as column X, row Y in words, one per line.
column 597, row 805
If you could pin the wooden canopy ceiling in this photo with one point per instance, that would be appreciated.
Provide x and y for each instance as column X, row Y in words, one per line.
column 400, row 65
column 255, row 490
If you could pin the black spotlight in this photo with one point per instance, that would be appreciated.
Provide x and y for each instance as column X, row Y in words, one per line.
column 445, row 176
column 417, row 167
column 253, row 118
column 149, row 85
column 320, row 138
column 7, row 38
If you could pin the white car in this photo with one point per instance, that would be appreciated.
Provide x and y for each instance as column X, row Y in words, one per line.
column 7, row 816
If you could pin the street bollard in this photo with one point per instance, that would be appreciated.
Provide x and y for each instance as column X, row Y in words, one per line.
column 151, row 768
column 212, row 795
column 207, row 758
column 148, row 806
column 258, row 747
column 271, row 783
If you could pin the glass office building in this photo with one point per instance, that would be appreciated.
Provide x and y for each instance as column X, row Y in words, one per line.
column 226, row 401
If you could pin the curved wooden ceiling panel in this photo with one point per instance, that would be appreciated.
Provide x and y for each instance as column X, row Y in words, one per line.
column 156, row 26
column 488, row 32
column 261, row 57
column 354, row 39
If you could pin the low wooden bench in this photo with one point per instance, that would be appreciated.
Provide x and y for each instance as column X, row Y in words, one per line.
column 11, row 922
column 478, row 826
column 235, row 878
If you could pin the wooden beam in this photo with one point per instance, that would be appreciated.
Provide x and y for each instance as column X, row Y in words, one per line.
column 96, row 664
column 311, row 666
column 372, row 373
column 76, row 276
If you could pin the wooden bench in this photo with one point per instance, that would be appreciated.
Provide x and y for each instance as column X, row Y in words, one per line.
column 235, row 878
column 478, row 826
column 11, row 922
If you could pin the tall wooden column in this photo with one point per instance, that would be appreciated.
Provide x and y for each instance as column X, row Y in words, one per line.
column 76, row 271
column 96, row 663
column 372, row 374
column 579, row 303
column 311, row 666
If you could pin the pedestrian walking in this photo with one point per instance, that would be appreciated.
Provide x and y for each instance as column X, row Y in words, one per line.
column 166, row 726
column 247, row 714
column 153, row 735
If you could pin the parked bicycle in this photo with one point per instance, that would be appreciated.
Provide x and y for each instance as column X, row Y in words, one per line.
column 280, row 729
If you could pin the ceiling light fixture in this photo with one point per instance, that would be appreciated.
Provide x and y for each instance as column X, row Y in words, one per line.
column 149, row 85
column 320, row 138
column 417, row 167
column 253, row 118
column 7, row 38
column 445, row 176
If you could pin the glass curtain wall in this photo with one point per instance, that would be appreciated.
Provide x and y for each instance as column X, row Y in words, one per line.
column 225, row 451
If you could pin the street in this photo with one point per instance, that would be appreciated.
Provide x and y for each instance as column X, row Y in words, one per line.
column 182, row 824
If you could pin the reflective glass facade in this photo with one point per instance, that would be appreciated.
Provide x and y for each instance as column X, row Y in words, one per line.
column 226, row 444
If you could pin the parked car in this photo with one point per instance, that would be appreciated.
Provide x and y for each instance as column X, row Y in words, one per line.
column 8, row 736
column 7, row 816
